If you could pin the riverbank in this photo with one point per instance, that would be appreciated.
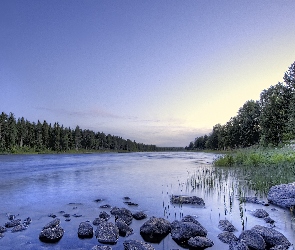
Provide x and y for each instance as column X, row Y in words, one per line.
column 263, row 167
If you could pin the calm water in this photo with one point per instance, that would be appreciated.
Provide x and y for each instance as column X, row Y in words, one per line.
column 37, row 185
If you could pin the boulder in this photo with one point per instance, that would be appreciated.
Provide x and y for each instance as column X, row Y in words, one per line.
column 271, row 236
column 124, row 229
column 97, row 221
column 184, row 199
column 252, row 239
column 104, row 215
column 51, row 232
column 188, row 227
column 123, row 214
column 155, row 229
column 238, row 245
column 107, row 232
column 282, row 195
column 200, row 242
column 227, row 237
column 225, row 225
column 51, row 235
column 260, row 213
column 85, row 230
column 139, row 215
column 137, row 245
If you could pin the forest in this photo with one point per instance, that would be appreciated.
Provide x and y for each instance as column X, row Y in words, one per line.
column 22, row 136
column 267, row 122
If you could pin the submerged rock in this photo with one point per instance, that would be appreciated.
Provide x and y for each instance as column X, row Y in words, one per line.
column 183, row 199
column 137, row 245
column 13, row 223
column 225, row 225
column 200, row 242
column 3, row 229
column 124, row 229
column 271, row 236
column 227, row 237
column 18, row 228
column 282, row 195
column 252, row 239
column 85, row 230
column 254, row 200
column 188, row 227
column 51, row 232
column 107, row 232
column 100, row 247
column 123, row 214
column 139, row 215
column 260, row 213
column 238, row 245
column 104, row 215
column 155, row 229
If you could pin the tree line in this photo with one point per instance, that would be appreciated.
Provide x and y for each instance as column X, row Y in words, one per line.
column 20, row 135
column 269, row 121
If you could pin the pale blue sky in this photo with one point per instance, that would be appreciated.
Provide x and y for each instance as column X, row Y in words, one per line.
column 159, row 72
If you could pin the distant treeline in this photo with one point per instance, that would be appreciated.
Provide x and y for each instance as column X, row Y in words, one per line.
column 267, row 122
column 23, row 136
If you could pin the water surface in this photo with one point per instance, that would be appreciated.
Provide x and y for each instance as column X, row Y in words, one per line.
column 37, row 185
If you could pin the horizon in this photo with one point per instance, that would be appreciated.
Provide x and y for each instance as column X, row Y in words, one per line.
column 156, row 72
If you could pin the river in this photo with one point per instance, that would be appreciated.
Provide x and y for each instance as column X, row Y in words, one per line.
column 38, row 185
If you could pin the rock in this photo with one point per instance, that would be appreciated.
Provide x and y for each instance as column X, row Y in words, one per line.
column 107, row 232
column 104, row 215
column 269, row 220
column 183, row 199
column 271, row 236
column 252, row 239
column 282, row 195
column 77, row 215
column 105, row 206
column 99, row 247
column 52, row 215
column 253, row 200
column 52, row 224
column 155, row 229
column 97, row 221
column 85, row 230
column 3, row 229
column 123, row 214
column 137, row 245
column 1, row 235
column 238, row 245
column 225, row 225
column 260, row 213
column 18, row 228
column 13, row 223
column 124, row 229
column 200, row 242
column 139, row 215
column 129, row 203
column 51, row 232
column 27, row 221
column 279, row 247
column 11, row 216
column 227, row 237
column 98, row 200
column 66, row 215
column 188, row 227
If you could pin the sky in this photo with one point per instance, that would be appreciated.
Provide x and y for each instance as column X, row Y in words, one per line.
column 157, row 72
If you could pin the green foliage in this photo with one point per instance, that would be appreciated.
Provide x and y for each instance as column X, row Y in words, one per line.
column 267, row 122
column 22, row 136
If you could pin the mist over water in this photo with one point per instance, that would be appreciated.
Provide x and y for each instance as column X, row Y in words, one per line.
column 37, row 185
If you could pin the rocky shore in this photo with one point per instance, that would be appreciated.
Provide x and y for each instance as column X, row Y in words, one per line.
column 187, row 232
